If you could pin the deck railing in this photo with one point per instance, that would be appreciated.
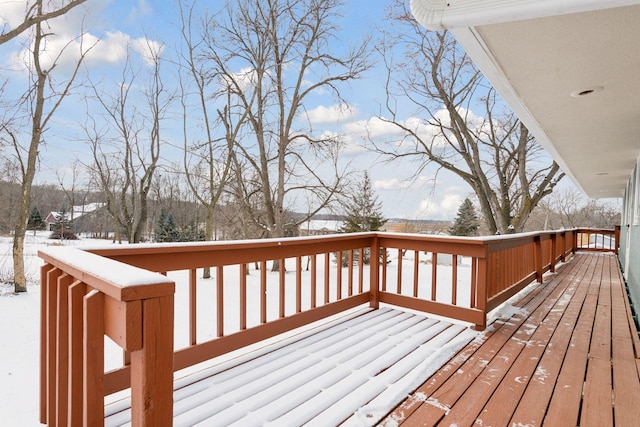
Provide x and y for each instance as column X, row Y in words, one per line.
column 598, row 239
column 128, row 294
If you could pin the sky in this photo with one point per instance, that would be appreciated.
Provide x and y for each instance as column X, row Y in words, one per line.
column 403, row 188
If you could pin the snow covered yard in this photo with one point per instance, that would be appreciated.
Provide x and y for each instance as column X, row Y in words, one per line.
column 19, row 319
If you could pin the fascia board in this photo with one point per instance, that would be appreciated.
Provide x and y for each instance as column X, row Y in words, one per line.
column 451, row 14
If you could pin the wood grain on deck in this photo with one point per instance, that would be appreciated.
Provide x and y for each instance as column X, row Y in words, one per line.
column 567, row 357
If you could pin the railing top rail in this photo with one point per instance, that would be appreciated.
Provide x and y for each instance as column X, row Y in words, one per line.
column 168, row 256
column 595, row 230
column 116, row 279
column 142, row 248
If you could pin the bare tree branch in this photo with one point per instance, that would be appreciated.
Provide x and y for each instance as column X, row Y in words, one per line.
column 34, row 15
column 491, row 151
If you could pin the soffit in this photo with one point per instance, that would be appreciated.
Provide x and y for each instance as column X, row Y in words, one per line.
column 538, row 63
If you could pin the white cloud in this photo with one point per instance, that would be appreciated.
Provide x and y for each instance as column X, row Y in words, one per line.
column 402, row 184
column 245, row 78
column 444, row 207
column 149, row 50
column 331, row 114
column 65, row 49
column 374, row 127
column 12, row 13
column 142, row 9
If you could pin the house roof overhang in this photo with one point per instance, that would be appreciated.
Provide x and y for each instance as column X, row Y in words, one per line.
column 570, row 70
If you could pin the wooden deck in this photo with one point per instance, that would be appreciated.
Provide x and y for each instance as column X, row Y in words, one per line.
column 567, row 357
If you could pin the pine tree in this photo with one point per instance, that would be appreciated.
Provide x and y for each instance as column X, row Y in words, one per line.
column 166, row 228
column 466, row 223
column 35, row 220
column 363, row 212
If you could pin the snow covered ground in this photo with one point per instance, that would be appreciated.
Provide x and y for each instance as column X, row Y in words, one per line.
column 19, row 322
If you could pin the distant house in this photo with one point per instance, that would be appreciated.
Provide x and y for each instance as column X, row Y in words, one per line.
column 78, row 217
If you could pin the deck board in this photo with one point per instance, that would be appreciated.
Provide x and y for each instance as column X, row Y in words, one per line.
column 567, row 358
column 322, row 376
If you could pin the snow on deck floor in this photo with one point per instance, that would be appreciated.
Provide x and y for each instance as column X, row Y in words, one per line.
column 353, row 370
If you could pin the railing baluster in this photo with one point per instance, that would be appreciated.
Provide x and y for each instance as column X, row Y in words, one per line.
column 384, row 269
column 93, row 352
column 416, row 263
column 474, row 279
column 242, row 271
column 361, row 267
column 434, row 275
column 374, row 274
column 52, row 351
column 193, row 281
column 62, row 333
column 313, row 281
column 263, row 292
column 399, row 284
column 298, row 284
column 327, row 277
column 281, row 288
column 350, row 272
column 219, row 301
column 339, row 276
column 76, row 295
column 454, row 279
column 44, row 348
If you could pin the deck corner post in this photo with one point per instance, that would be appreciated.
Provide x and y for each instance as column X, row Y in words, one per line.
column 481, row 288
column 374, row 273
column 152, row 365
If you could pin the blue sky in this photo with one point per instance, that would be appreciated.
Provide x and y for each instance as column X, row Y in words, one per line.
column 140, row 23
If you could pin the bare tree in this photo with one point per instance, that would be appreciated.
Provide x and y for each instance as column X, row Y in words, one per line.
column 269, row 57
column 207, row 154
column 569, row 208
column 126, row 150
column 36, row 12
column 493, row 151
column 42, row 100
column 72, row 193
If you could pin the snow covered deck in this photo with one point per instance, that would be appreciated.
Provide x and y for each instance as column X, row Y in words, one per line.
column 351, row 370
column 569, row 355
column 152, row 305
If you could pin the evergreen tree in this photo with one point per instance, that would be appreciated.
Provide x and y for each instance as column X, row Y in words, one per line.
column 191, row 233
column 166, row 228
column 363, row 212
column 35, row 220
column 466, row 223
column 160, row 224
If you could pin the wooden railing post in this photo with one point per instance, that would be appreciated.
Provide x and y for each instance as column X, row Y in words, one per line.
column 554, row 247
column 616, row 236
column 374, row 273
column 481, row 288
column 538, row 257
column 152, row 366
